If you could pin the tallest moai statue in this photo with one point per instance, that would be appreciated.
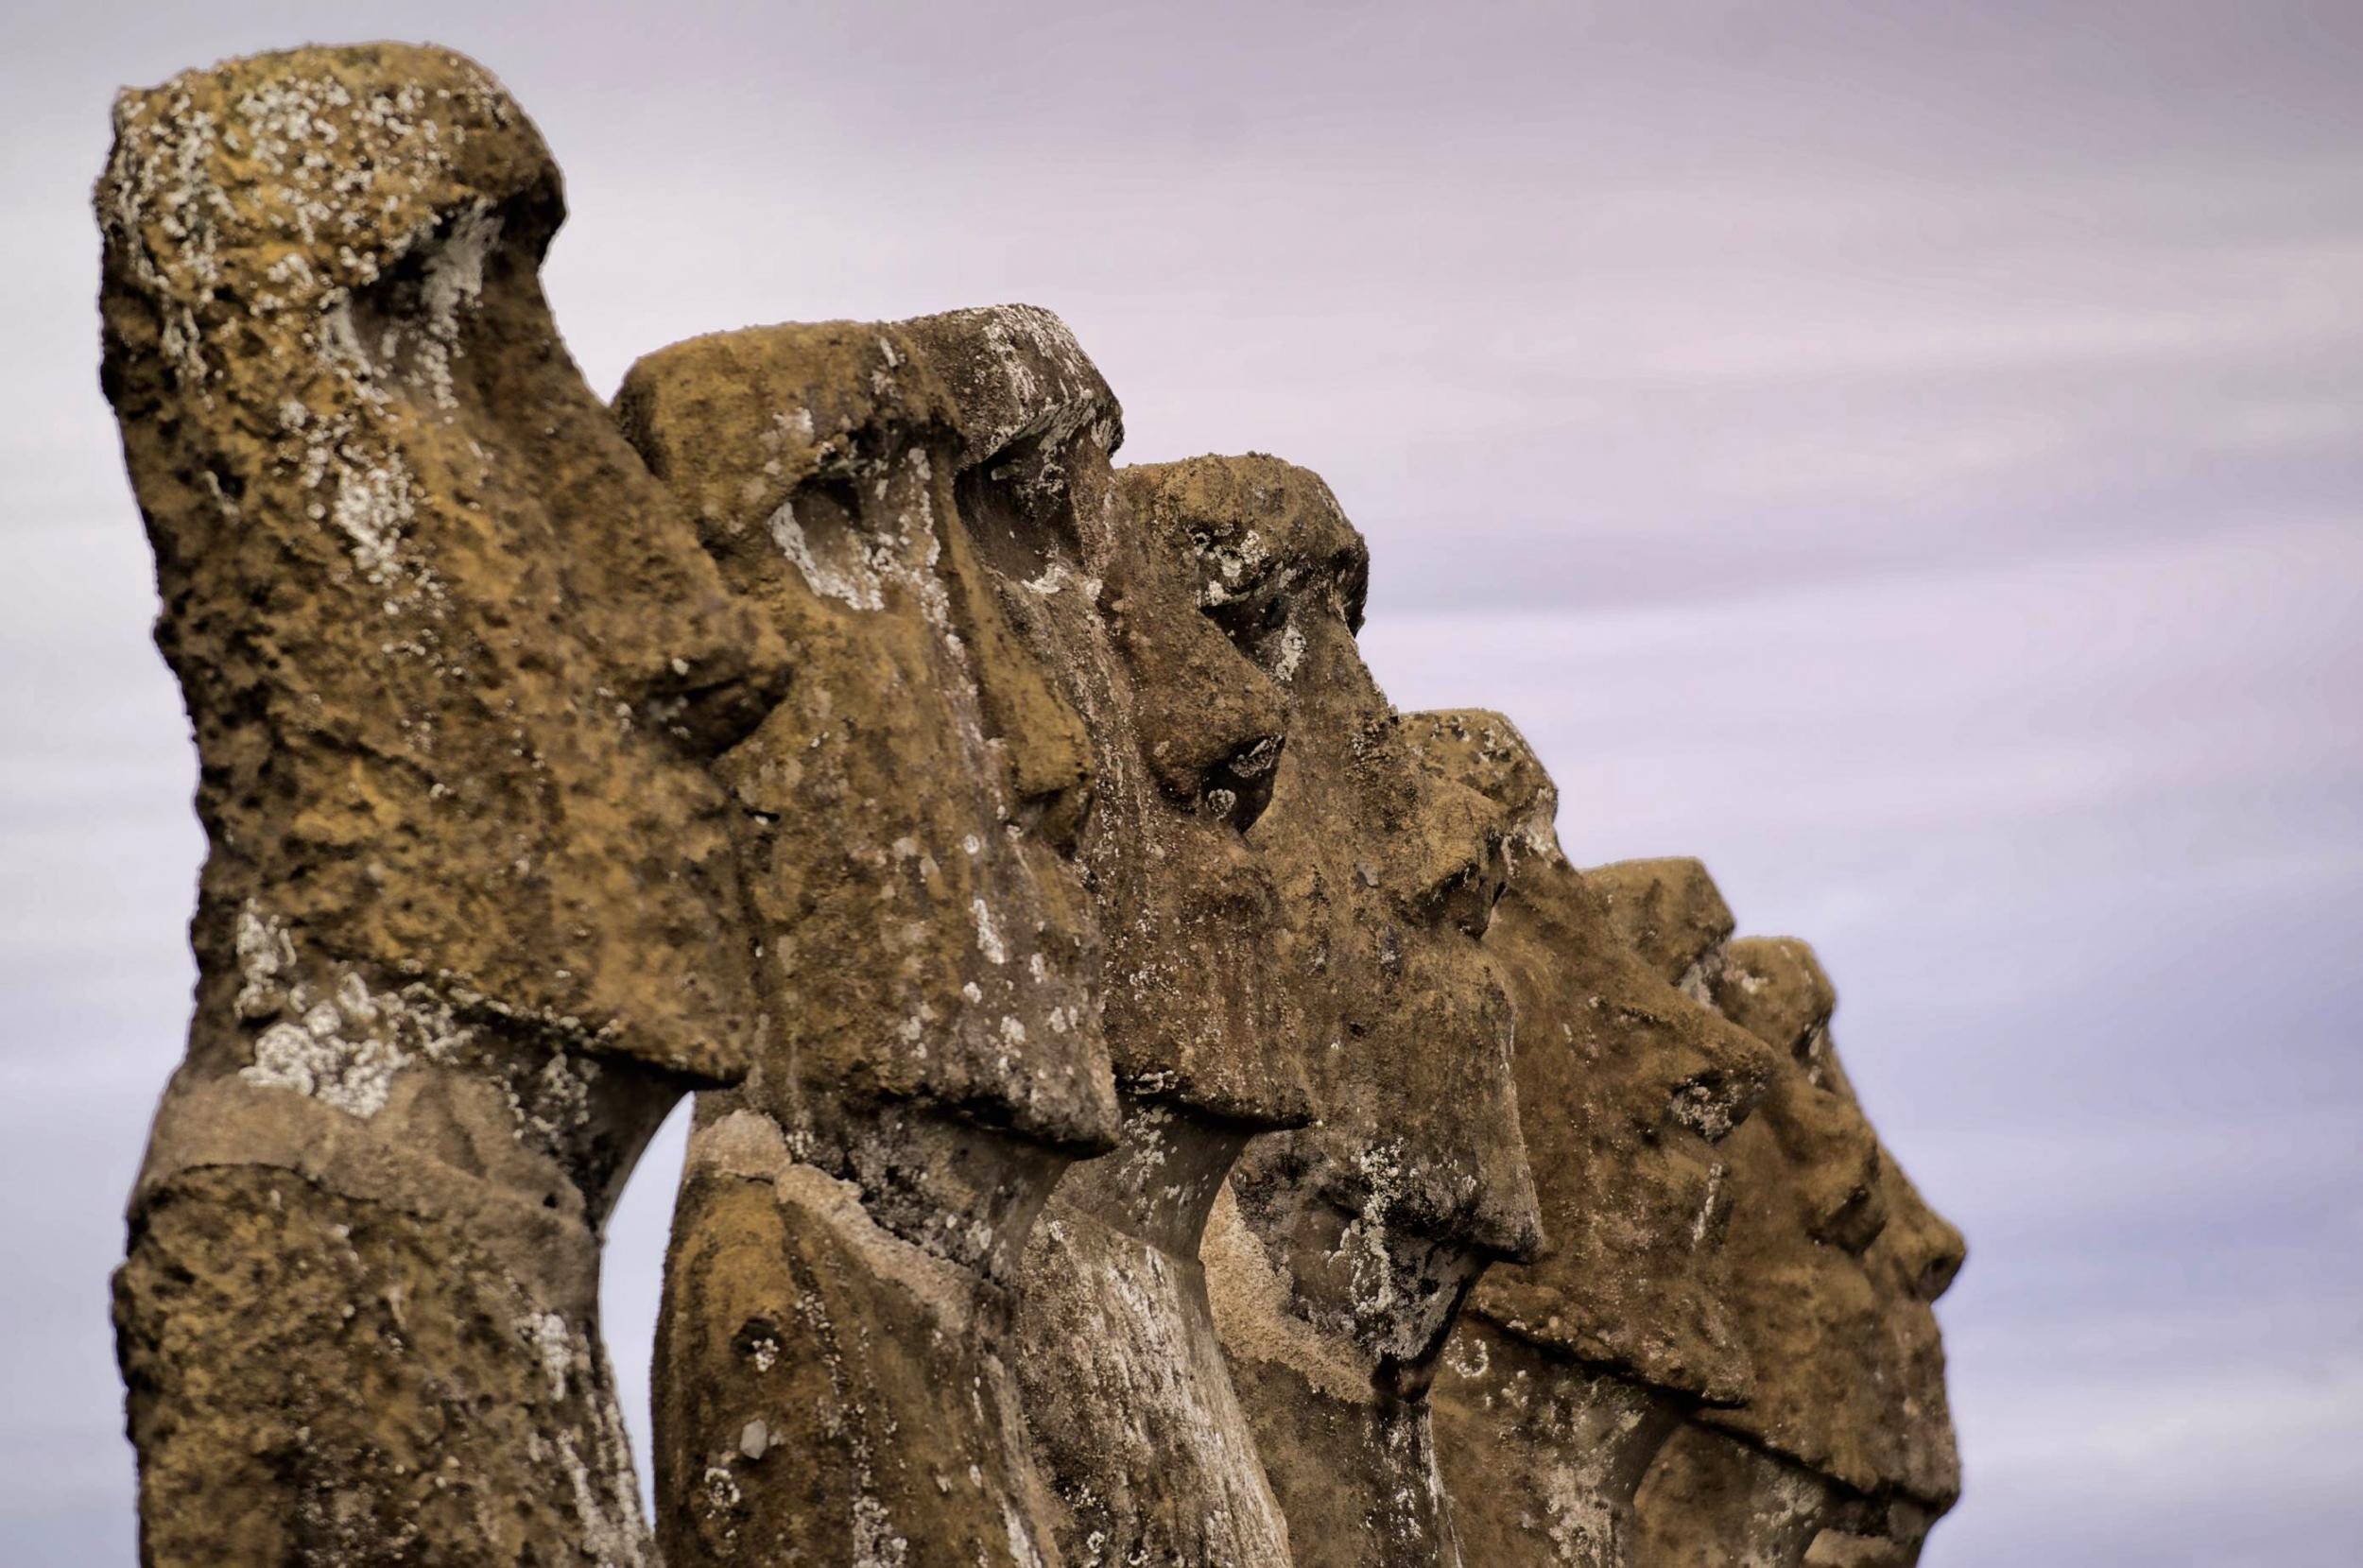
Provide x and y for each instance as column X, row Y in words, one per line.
column 469, row 921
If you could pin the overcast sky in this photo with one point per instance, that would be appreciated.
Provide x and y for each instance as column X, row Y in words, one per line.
column 1911, row 456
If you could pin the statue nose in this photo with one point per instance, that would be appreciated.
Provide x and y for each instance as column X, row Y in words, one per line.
column 1456, row 856
column 1932, row 1249
column 1211, row 724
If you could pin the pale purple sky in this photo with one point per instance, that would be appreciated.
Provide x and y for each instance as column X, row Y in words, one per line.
column 1911, row 456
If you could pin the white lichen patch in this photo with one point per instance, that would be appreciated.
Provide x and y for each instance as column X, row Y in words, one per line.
column 1365, row 1240
column 554, row 1343
column 351, row 1075
column 893, row 550
column 1291, row 656
column 341, row 1042
column 1469, row 1356
column 1041, row 387
column 556, row 1101
column 266, row 961
column 1706, row 1109
column 876, row 1543
column 722, row 1489
column 987, row 936
column 1705, row 1220
column 849, row 575
column 160, row 186
column 607, row 1497
column 1228, row 563
column 373, row 509
column 1022, row 1550
column 452, row 285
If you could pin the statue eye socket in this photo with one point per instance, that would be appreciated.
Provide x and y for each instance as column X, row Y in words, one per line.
column 1018, row 511
column 1246, row 621
column 1239, row 786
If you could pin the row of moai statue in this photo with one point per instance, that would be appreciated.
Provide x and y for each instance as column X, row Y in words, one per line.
column 1156, row 1103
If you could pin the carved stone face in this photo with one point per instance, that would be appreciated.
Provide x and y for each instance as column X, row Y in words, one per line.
column 912, row 814
column 1836, row 1259
column 1414, row 1177
column 912, row 807
column 1829, row 1264
column 1184, row 734
column 484, row 648
column 1626, row 1081
column 454, row 664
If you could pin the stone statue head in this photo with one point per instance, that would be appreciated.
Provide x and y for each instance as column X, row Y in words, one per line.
column 1851, row 1372
column 1183, row 733
column 485, row 646
column 1627, row 1080
column 911, row 811
column 1843, row 1446
column 1568, row 1372
column 1414, row 1178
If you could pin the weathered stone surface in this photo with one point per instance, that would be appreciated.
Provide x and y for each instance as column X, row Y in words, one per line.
column 1542, row 1454
column 1124, row 993
column 1726, row 1357
column 827, row 1390
column 1671, row 916
column 910, row 819
column 1341, row 1251
column 418, row 595
column 469, row 920
column 323, row 1379
column 908, row 814
column 1134, row 1423
column 1844, row 1444
column 1711, row 1501
column 1853, row 1370
column 1129, row 1396
column 1566, row 1374
column 1632, row 1084
column 1076, row 622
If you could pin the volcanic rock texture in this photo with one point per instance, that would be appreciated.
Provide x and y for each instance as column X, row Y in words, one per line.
column 1157, row 1103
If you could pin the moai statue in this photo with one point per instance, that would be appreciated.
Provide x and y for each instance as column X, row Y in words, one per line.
column 1842, row 1453
column 834, row 1375
column 1338, row 1255
column 470, row 919
column 1139, row 1435
column 1567, row 1373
